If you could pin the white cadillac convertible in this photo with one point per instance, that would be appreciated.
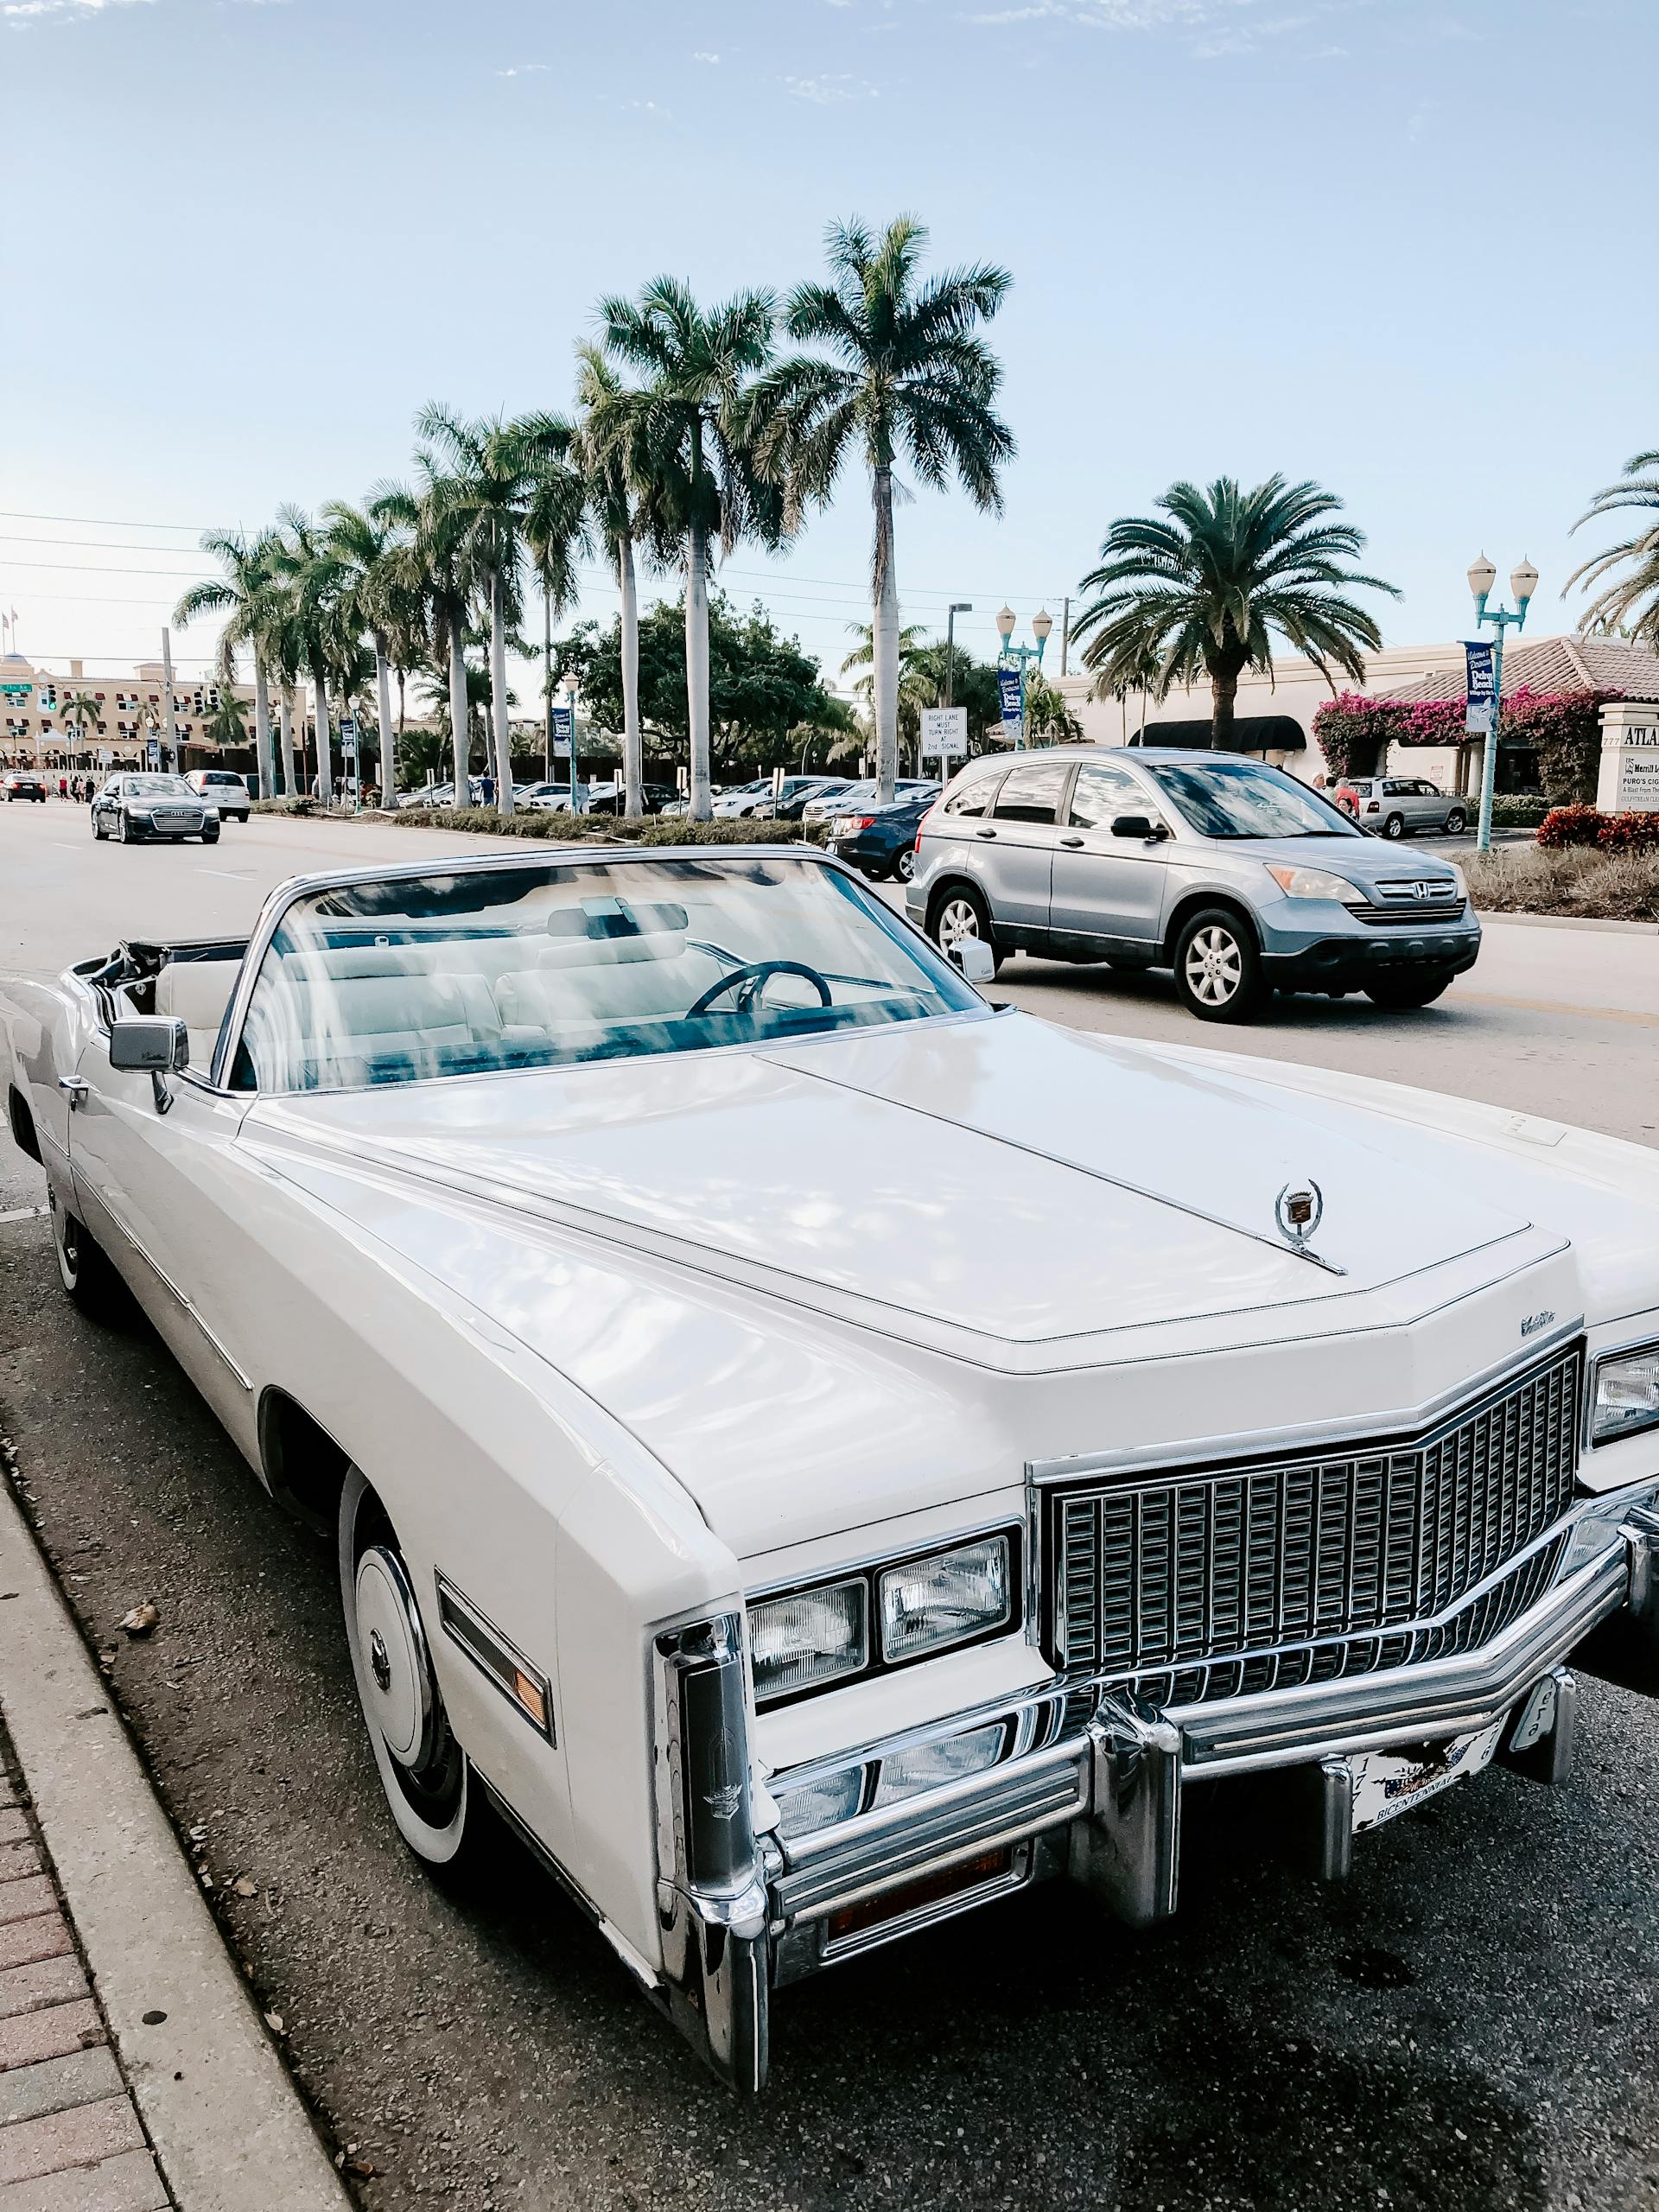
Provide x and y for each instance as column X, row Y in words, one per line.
column 817, row 1451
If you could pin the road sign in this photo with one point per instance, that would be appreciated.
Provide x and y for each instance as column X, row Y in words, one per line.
column 777, row 783
column 944, row 731
column 152, row 752
column 348, row 736
column 1481, row 688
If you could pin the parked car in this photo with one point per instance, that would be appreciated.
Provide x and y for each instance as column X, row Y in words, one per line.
column 442, row 794
column 866, row 793
column 1239, row 877
column 824, row 1454
column 880, row 842
column 23, row 783
column 758, row 798
column 133, row 807
column 1399, row 806
column 611, row 797
column 228, row 793
column 554, row 798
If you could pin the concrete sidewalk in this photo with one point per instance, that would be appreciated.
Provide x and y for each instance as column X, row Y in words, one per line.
column 135, row 2074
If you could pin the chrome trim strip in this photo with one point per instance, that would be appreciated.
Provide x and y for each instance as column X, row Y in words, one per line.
column 1308, row 1436
column 173, row 1290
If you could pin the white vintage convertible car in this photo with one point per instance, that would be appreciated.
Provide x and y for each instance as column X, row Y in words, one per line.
column 818, row 1452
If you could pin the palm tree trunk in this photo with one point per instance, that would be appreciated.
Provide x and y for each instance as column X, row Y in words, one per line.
column 285, row 731
column 499, row 693
column 884, row 643
column 261, row 727
column 325, row 736
column 460, row 722
column 1223, row 692
column 633, row 759
column 383, row 707
column 696, row 670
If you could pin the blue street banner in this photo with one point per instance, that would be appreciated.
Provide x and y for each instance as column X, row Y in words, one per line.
column 562, row 717
column 1011, row 690
column 1480, row 687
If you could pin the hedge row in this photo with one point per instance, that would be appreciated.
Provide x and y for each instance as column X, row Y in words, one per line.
column 568, row 828
column 1611, row 833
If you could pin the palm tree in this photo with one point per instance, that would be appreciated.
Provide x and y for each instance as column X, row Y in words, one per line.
column 80, row 707
column 1204, row 592
column 1630, row 603
column 484, row 476
column 612, row 453
column 228, row 723
column 908, row 377
column 696, row 456
column 317, row 620
column 244, row 596
column 919, row 684
column 434, row 576
column 365, row 546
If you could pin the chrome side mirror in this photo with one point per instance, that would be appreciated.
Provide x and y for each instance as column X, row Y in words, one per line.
column 153, row 1044
column 975, row 959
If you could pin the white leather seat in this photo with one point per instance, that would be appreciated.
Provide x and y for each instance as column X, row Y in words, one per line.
column 197, row 992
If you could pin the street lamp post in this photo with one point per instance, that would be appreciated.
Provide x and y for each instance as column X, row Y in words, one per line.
column 1523, row 581
column 961, row 606
column 1016, row 657
column 570, row 701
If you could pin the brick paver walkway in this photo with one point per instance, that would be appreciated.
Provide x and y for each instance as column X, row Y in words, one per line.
column 70, row 2140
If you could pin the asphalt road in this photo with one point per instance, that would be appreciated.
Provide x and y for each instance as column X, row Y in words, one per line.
column 1468, row 2025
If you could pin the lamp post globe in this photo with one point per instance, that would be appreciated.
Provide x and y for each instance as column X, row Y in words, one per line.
column 1005, row 623
column 1482, row 576
column 1523, row 581
column 1042, row 624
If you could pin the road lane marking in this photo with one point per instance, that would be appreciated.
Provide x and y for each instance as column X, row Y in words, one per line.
column 230, row 875
column 1580, row 1012
column 23, row 1213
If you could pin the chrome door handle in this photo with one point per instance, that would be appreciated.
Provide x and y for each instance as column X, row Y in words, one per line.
column 1069, row 842
column 985, row 833
column 74, row 1089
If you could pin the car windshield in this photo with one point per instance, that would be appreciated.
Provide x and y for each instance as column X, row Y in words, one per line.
column 1243, row 798
column 550, row 963
column 157, row 787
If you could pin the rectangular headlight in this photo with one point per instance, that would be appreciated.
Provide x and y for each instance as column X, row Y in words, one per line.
column 814, row 1637
column 820, row 1804
column 928, row 1766
column 1627, row 1394
column 929, row 1604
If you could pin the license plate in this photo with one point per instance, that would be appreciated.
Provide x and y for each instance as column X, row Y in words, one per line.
column 1386, row 1783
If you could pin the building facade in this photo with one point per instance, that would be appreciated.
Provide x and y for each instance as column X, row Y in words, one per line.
column 38, row 728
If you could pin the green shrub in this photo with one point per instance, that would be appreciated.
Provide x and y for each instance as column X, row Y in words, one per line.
column 608, row 829
column 1512, row 810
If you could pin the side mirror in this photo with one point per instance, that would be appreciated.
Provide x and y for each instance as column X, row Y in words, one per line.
column 150, row 1044
column 1136, row 825
column 975, row 959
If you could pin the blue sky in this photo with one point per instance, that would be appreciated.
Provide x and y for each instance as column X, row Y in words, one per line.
column 1401, row 246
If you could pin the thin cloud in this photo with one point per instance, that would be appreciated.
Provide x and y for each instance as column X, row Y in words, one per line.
column 522, row 69
column 20, row 12
column 830, row 91
column 710, row 58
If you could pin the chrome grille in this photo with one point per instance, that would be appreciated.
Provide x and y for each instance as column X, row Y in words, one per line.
column 1164, row 1574
column 1408, row 918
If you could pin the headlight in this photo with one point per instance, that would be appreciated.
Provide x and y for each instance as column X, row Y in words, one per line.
column 815, row 1636
column 1627, row 1394
column 1315, row 883
column 928, row 1766
column 929, row 1604
column 820, row 1804
column 1461, row 879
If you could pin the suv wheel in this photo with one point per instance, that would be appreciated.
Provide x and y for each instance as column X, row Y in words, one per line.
column 958, row 913
column 1217, row 968
column 1456, row 823
column 1395, row 826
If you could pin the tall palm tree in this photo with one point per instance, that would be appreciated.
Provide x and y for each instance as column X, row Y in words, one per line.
column 365, row 546
column 433, row 573
column 695, row 453
column 245, row 595
column 80, row 707
column 484, row 477
column 909, row 377
column 317, row 620
column 611, row 450
column 1204, row 592
column 917, row 680
column 228, row 723
column 1629, row 603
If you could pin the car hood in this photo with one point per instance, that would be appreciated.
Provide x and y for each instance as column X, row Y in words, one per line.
column 1363, row 860
column 991, row 1186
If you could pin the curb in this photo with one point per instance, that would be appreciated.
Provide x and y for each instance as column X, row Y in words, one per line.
column 226, row 2121
column 1569, row 921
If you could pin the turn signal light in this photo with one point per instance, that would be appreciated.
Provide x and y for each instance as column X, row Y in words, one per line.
column 913, row 1896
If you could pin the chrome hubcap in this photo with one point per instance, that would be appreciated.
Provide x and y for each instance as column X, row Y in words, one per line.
column 380, row 1660
column 398, row 1694
column 1215, row 968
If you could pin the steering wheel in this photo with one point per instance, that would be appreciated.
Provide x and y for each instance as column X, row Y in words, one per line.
column 750, row 980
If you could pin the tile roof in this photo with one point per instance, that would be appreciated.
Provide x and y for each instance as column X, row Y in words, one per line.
column 1555, row 664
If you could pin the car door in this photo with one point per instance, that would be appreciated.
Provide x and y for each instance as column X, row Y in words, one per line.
column 1108, row 890
column 1019, row 840
column 157, row 1190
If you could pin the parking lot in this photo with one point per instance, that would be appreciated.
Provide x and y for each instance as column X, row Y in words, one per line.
column 1469, row 2024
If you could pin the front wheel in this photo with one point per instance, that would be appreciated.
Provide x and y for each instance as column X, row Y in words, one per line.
column 1395, row 826
column 1217, row 968
column 1402, row 994
column 209, row 837
column 427, row 1782
column 1456, row 823
column 83, row 1268
column 961, row 913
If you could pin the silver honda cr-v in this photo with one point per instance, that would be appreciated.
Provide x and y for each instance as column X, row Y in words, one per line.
column 1234, row 875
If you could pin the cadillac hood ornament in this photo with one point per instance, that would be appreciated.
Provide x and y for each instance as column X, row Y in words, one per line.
column 1299, row 1210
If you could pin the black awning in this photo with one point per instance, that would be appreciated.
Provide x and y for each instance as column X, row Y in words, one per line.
column 1250, row 733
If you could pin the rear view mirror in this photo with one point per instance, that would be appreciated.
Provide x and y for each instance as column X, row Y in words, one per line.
column 150, row 1044
column 975, row 959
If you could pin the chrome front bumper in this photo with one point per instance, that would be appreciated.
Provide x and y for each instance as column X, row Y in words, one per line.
column 1104, row 1805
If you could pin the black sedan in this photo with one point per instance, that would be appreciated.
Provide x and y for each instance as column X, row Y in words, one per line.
column 23, row 783
column 881, row 841
column 131, row 808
